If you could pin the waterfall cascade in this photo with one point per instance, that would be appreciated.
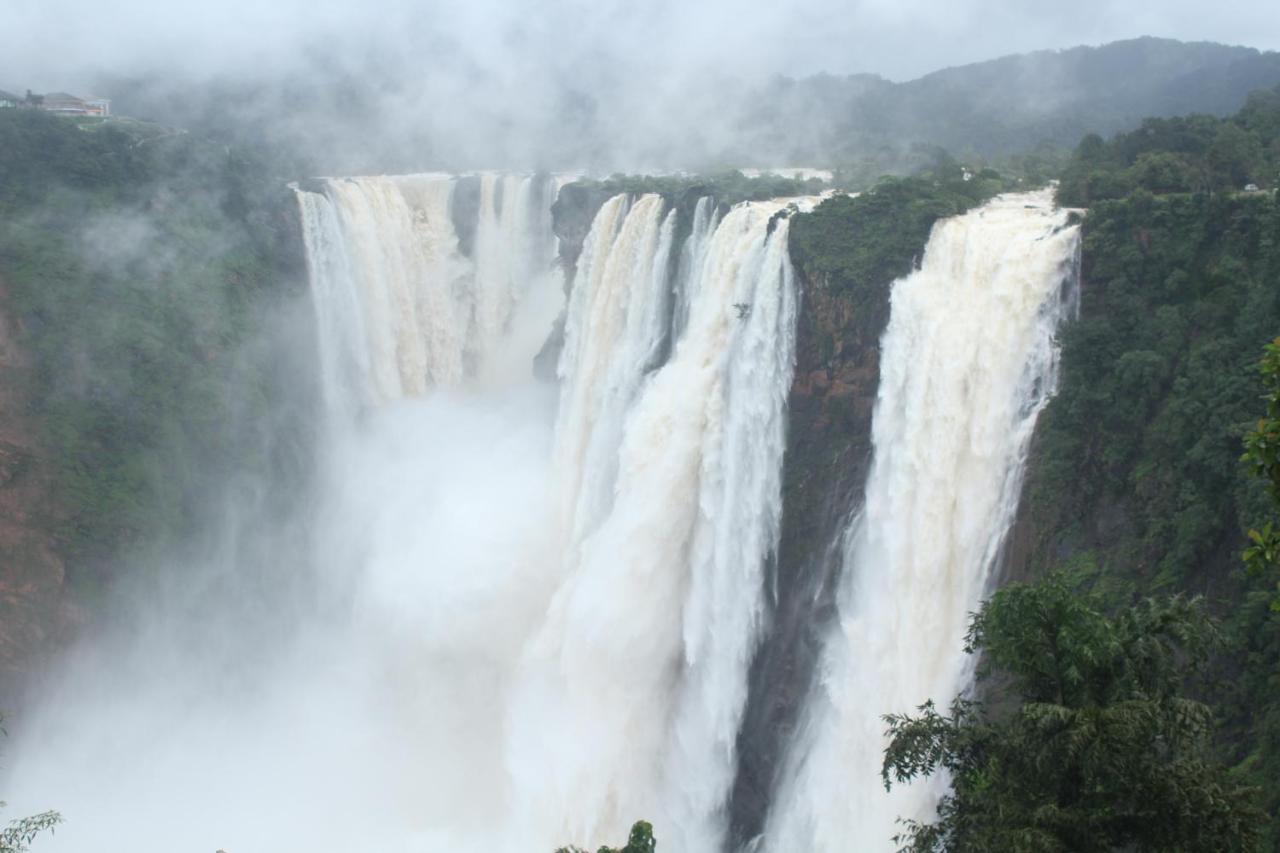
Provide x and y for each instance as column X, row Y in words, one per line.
column 534, row 605
column 633, row 688
column 400, row 308
column 969, row 359
column 666, row 453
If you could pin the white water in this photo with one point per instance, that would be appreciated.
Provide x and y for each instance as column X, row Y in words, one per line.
column 968, row 361
column 632, row 690
column 400, row 309
column 536, row 605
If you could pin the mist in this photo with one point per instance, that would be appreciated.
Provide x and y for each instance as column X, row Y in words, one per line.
column 604, row 86
column 367, row 719
column 461, row 532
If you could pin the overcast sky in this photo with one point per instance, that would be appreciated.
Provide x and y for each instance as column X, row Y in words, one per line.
column 52, row 42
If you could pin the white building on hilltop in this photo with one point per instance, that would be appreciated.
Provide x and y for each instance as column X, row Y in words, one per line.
column 65, row 104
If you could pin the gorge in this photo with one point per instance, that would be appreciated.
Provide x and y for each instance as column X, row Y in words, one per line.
column 543, row 607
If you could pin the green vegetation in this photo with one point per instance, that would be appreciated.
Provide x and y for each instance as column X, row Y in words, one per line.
column 1144, row 436
column 848, row 252
column 1262, row 452
column 1193, row 154
column 873, row 238
column 1099, row 748
column 989, row 110
column 1136, row 485
column 17, row 835
column 728, row 188
column 639, row 841
column 136, row 261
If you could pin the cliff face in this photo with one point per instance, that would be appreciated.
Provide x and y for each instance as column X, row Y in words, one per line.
column 572, row 213
column 828, row 456
column 32, row 612
column 1134, row 476
column 847, row 254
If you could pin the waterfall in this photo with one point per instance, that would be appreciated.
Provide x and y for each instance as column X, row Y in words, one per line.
column 613, row 331
column 969, row 359
column 525, row 611
column 618, row 683
column 631, row 691
column 399, row 307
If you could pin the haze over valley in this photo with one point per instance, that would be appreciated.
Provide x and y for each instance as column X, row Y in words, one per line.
column 695, row 428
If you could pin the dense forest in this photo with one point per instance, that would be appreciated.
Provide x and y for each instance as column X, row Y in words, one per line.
column 136, row 262
column 1136, row 486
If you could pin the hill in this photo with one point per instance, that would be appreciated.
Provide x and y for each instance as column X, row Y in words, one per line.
column 1015, row 103
column 325, row 113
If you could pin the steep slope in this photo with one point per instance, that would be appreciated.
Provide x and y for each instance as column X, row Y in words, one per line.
column 848, row 253
column 139, row 267
column 31, row 572
column 1135, row 483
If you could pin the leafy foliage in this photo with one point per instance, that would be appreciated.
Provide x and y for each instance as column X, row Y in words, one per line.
column 891, row 223
column 1262, row 452
column 727, row 188
column 1100, row 751
column 1135, row 481
column 1138, row 455
column 1197, row 153
column 639, row 841
column 17, row 835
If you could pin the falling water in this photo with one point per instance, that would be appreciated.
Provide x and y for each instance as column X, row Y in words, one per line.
column 400, row 309
column 968, row 361
column 632, row 690
column 539, row 602
column 626, row 617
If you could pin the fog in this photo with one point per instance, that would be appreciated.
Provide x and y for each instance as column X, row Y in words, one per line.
column 369, row 723
column 561, row 84
column 484, row 607
column 460, row 629
column 899, row 40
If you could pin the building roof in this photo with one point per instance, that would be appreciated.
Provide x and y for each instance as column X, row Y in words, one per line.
column 9, row 96
column 61, row 96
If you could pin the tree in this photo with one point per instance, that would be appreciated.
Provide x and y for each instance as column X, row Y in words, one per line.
column 1262, row 453
column 1100, row 751
column 1235, row 155
column 18, row 834
column 640, row 841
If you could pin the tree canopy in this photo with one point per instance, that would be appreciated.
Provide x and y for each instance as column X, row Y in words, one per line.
column 1262, row 453
column 1100, row 749
column 1186, row 154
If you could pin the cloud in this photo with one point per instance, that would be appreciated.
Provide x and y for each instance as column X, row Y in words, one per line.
column 61, row 39
column 397, row 84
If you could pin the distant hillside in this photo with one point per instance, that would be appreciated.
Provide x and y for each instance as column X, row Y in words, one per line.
column 1005, row 105
column 378, row 119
